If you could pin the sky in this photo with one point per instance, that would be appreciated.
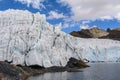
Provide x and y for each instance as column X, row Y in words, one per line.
column 72, row 14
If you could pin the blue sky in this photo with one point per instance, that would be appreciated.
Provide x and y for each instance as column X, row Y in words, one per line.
column 72, row 14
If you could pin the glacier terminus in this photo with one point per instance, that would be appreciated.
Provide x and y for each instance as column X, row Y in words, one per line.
column 28, row 39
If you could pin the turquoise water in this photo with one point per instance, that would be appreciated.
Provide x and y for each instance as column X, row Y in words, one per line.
column 97, row 71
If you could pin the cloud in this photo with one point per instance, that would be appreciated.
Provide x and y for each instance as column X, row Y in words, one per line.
column 86, row 22
column 118, row 16
column 93, row 9
column 84, row 27
column 35, row 3
column 65, row 25
column 106, row 18
column 70, row 24
column 55, row 15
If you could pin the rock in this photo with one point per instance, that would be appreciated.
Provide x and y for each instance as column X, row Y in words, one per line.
column 12, row 72
column 36, row 67
column 72, row 66
column 33, row 70
column 74, row 63
column 98, row 33
column 57, row 69
column 90, row 33
column 81, row 64
column 80, row 34
column 113, row 34
column 3, row 77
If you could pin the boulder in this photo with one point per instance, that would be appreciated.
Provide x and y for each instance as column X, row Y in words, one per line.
column 75, row 63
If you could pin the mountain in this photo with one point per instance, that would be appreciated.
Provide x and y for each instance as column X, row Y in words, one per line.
column 90, row 33
column 95, row 32
column 113, row 34
column 27, row 39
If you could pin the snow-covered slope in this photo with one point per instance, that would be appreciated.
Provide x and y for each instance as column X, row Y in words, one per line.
column 27, row 39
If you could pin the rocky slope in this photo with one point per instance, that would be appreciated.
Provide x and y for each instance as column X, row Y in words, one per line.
column 90, row 33
column 98, row 33
column 27, row 39
column 113, row 34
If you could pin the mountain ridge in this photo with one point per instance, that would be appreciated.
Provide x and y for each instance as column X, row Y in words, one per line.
column 98, row 33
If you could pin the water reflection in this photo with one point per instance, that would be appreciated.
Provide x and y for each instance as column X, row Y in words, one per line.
column 51, row 76
column 101, row 71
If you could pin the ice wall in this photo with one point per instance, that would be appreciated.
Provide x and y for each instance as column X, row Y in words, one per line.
column 27, row 39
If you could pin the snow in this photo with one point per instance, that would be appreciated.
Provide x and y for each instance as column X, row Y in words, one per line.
column 28, row 39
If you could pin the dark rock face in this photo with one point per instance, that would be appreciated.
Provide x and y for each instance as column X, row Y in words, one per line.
column 74, row 63
column 80, row 34
column 36, row 67
column 33, row 71
column 12, row 72
column 113, row 34
column 90, row 33
column 56, row 69
column 98, row 33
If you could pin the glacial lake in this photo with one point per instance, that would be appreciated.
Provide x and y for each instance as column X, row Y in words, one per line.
column 97, row 71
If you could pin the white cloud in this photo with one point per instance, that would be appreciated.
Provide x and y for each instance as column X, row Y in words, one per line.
column 106, row 18
column 55, row 15
column 35, row 3
column 84, row 27
column 118, row 16
column 93, row 9
column 70, row 24
column 65, row 25
column 86, row 22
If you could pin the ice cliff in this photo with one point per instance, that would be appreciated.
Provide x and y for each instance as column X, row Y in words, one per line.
column 27, row 39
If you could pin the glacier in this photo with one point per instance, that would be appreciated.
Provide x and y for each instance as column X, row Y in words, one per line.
column 28, row 39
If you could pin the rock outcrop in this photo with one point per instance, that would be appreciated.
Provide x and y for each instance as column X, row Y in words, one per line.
column 90, row 33
column 75, row 63
column 12, row 72
column 98, row 33
column 113, row 34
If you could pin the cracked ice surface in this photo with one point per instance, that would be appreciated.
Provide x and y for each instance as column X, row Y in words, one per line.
column 27, row 39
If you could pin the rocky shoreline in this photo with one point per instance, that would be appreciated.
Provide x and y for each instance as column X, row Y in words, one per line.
column 12, row 72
